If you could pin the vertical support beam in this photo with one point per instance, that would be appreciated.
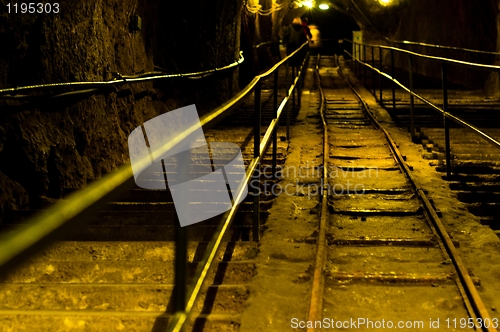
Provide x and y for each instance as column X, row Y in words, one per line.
column 294, row 90
column 446, row 121
column 352, row 61
column 358, row 50
column 287, row 106
column 180, row 267
column 380, row 76
column 275, row 115
column 299, row 89
column 256, row 153
column 373, row 72
column 412, row 99
column 359, row 62
column 364, row 59
column 393, row 83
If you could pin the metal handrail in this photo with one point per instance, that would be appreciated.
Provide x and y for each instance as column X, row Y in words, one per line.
column 445, row 47
column 406, row 42
column 444, row 109
column 120, row 80
column 180, row 318
column 265, row 43
column 40, row 230
column 477, row 66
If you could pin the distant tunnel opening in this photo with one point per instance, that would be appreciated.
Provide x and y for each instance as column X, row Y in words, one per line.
column 333, row 26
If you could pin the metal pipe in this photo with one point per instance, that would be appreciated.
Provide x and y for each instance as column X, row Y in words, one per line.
column 180, row 267
column 393, row 83
column 477, row 66
column 275, row 132
column 446, row 121
column 373, row 72
column 358, row 51
column 299, row 89
column 364, row 67
column 287, row 104
column 380, row 76
column 412, row 101
column 119, row 80
column 293, row 89
column 256, row 153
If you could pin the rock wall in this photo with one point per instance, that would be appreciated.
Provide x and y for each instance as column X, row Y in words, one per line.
column 457, row 23
column 65, row 142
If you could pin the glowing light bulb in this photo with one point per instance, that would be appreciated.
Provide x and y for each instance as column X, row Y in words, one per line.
column 385, row 2
column 308, row 4
column 324, row 6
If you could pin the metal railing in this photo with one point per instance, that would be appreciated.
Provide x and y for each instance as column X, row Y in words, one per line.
column 360, row 67
column 39, row 231
column 253, row 170
column 119, row 79
column 413, row 43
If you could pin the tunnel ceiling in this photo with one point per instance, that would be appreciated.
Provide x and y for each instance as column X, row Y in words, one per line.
column 376, row 16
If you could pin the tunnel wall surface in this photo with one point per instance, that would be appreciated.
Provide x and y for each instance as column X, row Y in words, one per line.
column 457, row 23
column 64, row 143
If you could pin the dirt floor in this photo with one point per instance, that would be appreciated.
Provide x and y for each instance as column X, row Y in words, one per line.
column 280, row 291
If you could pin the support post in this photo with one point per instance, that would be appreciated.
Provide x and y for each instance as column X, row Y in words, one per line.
column 256, row 153
column 380, row 76
column 180, row 267
column 287, row 106
column 393, row 84
column 412, row 99
column 299, row 89
column 373, row 72
column 446, row 120
column 294, row 74
column 364, row 59
column 358, row 52
column 275, row 115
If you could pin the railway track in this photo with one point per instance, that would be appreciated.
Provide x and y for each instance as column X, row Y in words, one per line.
column 116, row 272
column 384, row 259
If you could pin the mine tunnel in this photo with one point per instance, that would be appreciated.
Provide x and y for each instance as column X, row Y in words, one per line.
column 249, row 165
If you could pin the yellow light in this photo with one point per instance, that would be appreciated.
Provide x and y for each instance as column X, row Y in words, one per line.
column 385, row 2
column 324, row 6
column 308, row 4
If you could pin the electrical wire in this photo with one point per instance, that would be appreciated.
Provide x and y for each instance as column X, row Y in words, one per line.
column 13, row 93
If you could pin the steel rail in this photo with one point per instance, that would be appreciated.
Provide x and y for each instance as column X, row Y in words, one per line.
column 448, row 115
column 317, row 289
column 122, row 80
column 467, row 282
